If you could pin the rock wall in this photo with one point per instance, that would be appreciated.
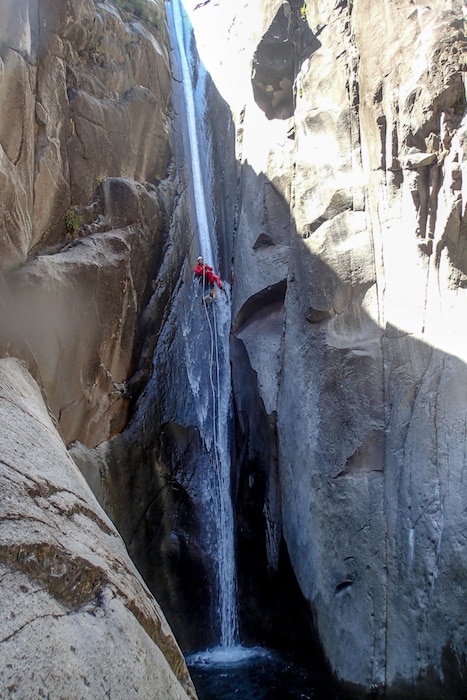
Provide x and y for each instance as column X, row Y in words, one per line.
column 86, row 195
column 94, row 629
column 75, row 78
column 147, row 476
column 347, row 209
column 85, row 94
column 349, row 288
column 93, row 251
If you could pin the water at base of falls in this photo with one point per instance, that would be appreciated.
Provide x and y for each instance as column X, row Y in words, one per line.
column 256, row 673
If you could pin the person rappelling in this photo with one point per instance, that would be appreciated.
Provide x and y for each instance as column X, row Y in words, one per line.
column 206, row 274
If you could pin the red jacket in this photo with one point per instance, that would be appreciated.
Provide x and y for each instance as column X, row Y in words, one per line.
column 209, row 274
column 199, row 269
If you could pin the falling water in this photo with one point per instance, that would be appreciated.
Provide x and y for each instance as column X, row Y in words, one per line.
column 213, row 404
column 229, row 670
column 182, row 34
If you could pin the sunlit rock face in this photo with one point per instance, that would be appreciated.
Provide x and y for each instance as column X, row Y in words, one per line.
column 93, row 628
column 352, row 194
column 84, row 96
column 84, row 124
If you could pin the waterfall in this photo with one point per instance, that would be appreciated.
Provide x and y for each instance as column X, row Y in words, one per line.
column 194, row 120
column 212, row 392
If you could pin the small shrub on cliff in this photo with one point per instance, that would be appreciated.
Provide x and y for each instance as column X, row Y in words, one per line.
column 73, row 221
column 144, row 9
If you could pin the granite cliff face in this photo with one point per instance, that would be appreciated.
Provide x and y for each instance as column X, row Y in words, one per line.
column 86, row 122
column 81, row 90
column 94, row 629
column 85, row 137
column 337, row 134
column 350, row 276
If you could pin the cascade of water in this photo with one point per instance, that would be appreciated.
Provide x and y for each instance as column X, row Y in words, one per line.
column 183, row 34
column 214, row 409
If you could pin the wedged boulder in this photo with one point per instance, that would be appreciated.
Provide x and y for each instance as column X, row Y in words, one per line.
column 78, row 620
column 286, row 44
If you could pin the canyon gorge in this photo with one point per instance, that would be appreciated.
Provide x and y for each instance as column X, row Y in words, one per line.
column 333, row 145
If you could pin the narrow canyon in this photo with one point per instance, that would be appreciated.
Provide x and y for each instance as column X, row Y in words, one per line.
column 283, row 466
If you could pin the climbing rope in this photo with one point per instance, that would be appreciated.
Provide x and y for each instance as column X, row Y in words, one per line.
column 216, row 393
column 215, row 390
column 226, row 607
column 217, row 356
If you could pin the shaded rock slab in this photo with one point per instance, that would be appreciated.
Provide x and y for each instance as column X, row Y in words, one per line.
column 77, row 621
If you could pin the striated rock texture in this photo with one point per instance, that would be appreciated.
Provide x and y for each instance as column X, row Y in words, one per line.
column 84, row 127
column 84, row 97
column 349, row 300
column 94, row 630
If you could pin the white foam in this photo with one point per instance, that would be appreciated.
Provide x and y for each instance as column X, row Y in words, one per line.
column 227, row 656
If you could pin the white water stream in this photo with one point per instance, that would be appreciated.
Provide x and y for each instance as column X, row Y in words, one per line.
column 181, row 31
column 214, row 403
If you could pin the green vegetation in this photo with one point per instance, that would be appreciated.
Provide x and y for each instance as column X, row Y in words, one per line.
column 12, row 268
column 144, row 9
column 73, row 221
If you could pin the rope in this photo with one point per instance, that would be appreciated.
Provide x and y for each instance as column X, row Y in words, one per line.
column 217, row 356
column 214, row 358
column 215, row 395
column 216, row 392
